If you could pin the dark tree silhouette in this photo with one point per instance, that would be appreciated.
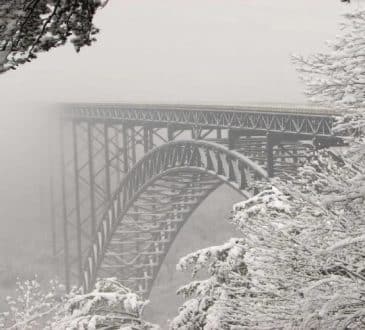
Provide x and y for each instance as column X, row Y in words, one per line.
column 28, row 27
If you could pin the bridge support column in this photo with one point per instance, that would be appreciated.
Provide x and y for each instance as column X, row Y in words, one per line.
column 170, row 133
column 147, row 139
column 90, row 142
column 77, row 201
column 125, row 148
column 107, row 164
column 233, row 136
column 133, row 144
column 196, row 133
column 219, row 133
column 270, row 143
column 64, row 208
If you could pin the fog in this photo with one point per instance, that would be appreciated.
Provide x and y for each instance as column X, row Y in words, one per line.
column 166, row 51
column 188, row 51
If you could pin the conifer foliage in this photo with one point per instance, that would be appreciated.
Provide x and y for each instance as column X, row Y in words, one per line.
column 300, row 263
column 303, row 236
column 337, row 77
column 109, row 306
column 212, row 302
column 28, row 27
column 33, row 305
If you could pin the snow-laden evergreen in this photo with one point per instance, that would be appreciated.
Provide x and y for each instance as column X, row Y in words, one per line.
column 337, row 77
column 308, row 261
column 33, row 306
column 303, row 237
column 109, row 306
column 300, row 263
column 205, row 308
column 29, row 27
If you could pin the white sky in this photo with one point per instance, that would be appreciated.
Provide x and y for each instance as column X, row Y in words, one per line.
column 188, row 51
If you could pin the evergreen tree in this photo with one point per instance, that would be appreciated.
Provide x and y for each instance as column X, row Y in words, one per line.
column 303, row 236
column 109, row 306
column 337, row 77
column 28, row 27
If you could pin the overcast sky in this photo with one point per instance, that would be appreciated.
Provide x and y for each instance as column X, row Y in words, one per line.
column 187, row 51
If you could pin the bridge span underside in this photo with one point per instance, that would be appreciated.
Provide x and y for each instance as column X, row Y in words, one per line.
column 131, row 177
column 145, row 233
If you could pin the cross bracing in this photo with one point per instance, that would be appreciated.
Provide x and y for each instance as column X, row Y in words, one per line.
column 289, row 119
column 133, row 174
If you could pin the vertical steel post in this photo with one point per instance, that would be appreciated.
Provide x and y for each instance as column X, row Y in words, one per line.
column 193, row 133
column 125, row 148
column 150, row 139
column 107, row 163
column 146, row 139
column 118, row 147
column 133, row 144
column 64, row 207
column 77, row 201
column 170, row 133
column 90, row 145
column 270, row 155
column 232, row 136
column 219, row 133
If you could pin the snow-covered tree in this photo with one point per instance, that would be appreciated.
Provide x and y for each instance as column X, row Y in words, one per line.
column 32, row 305
column 109, row 306
column 305, row 248
column 212, row 302
column 337, row 78
column 28, row 27
column 303, row 236
column 302, row 252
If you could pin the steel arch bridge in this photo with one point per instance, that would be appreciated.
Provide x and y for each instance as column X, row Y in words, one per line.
column 131, row 175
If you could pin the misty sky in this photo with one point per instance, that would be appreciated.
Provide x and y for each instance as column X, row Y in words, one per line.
column 187, row 51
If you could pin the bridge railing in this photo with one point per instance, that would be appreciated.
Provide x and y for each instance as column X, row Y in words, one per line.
column 268, row 119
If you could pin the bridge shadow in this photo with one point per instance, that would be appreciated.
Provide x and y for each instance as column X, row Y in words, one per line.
column 207, row 226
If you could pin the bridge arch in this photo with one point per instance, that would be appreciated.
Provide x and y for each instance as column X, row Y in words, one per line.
column 153, row 202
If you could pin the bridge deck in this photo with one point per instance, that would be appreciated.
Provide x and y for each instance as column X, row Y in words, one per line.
column 285, row 108
column 285, row 119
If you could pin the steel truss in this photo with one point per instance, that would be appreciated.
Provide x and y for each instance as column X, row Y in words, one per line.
column 131, row 177
column 289, row 120
column 94, row 159
column 154, row 200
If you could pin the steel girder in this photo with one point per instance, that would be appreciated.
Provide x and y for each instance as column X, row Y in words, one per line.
column 301, row 121
column 96, row 156
column 153, row 201
column 100, row 145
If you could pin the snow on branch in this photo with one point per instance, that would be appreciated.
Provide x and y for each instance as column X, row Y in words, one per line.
column 303, row 246
column 303, row 256
column 110, row 305
column 337, row 78
column 32, row 305
column 28, row 27
column 207, row 305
